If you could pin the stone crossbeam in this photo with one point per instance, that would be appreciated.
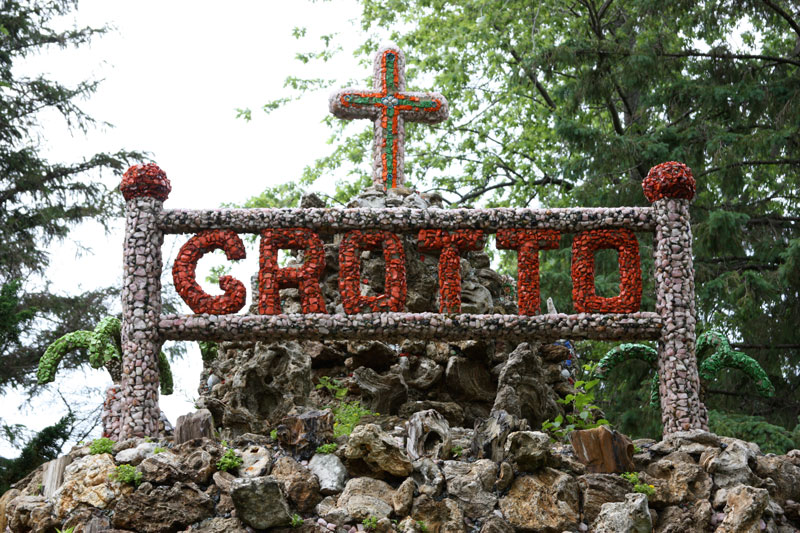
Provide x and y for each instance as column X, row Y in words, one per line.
column 397, row 326
column 173, row 221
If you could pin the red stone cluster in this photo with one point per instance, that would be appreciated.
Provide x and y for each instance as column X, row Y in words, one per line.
column 451, row 243
column 584, row 297
column 528, row 242
column 394, row 297
column 145, row 181
column 272, row 278
column 669, row 180
column 184, row 273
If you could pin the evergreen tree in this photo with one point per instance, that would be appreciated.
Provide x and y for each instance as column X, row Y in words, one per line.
column 569, row 104
column 41, row 200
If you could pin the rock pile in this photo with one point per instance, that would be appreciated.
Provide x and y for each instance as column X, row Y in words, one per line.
column 699, row 482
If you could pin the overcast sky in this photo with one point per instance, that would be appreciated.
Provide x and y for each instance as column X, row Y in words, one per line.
column 174, row 73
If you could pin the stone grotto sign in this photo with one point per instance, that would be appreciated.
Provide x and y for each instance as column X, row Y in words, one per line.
column 449, row 232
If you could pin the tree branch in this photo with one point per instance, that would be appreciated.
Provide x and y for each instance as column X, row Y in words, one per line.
column 757, row 162
column 786, row 16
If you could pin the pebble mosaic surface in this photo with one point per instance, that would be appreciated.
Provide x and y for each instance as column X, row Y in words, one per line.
column 434, row 326
column 400, row 219
column 679, row 387
column 389, row 105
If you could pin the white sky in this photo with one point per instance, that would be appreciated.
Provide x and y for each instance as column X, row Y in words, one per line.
column 174, row 72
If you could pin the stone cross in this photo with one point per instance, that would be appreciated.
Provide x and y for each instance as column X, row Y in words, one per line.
column 389, row 106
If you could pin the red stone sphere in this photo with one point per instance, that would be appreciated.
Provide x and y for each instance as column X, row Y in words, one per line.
column 669, row 180
column 145, row 181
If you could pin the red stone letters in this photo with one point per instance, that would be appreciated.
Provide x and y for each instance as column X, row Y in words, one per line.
column 450, row 243
column 394, row 297
column 585, row 244
column 528, row 242
column 183, row 273
column 272, row 278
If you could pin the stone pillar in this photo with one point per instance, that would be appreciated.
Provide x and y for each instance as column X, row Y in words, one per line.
column 145, row 187
column 111, row 411
column 670, row 187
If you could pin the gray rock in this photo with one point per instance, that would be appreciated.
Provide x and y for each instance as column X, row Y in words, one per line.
column 529, row 450
column 522, row 390
column 330, row 472
column 260, row 502
column 428, row 435
column 134, row 456
column 744, row 510
column 472, row 485
column 731, row 466
column 630, row 516
column 364, row 497
column 256, row 462
column 199, row 424
column 545, row 501
column 378, row 450
column 429, row 478
column 404, row 496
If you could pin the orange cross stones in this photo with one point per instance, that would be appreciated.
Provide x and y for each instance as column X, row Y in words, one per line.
column 389, row 105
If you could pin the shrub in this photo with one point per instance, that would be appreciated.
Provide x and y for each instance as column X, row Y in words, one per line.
column 101, row 445
column 229, row 460
column 127, row 474
column 638, row 486
column 582, row 413
column 370, row 523
column 347, row 415
column 159, row 449
column 296, row 520
column 327, row 448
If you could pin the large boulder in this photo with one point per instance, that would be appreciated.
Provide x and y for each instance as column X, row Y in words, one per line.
column 364, row 497
column 522, row 390
column 629, row 516
column 264, row 381
column 300, row 485
column 471, row 485
column 260, row 502
column 379, row 450
column 88, row 482
column 162, row 509
column 546, row 502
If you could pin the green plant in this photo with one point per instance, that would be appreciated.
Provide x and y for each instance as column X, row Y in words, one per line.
column 582, row 412
column 159, row 449
column 456, row 451
column 422, row 526
column 148, row 439
column 273, row 434
column 347, row 415
column 638, row 486
column 296, row 520
column 229, row 460
column 101, row 445
column 327, row 448
column 370, row 523
column 104, row 346
column 68, row 530
column 127, row 474
column 333, row 386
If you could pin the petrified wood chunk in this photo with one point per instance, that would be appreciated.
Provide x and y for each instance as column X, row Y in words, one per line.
column 489, row 439
column 196, row 425
column 384, row 393
column 603, row 450
column 469, row 379
column 428, row 435
column 304, row 432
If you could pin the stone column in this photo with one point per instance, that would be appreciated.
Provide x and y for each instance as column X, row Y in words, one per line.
column 670, row 187
column 145, row 187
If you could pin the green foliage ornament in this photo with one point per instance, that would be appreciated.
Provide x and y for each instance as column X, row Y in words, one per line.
column 104, row 347
column 714, row 353
column 723, row 356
